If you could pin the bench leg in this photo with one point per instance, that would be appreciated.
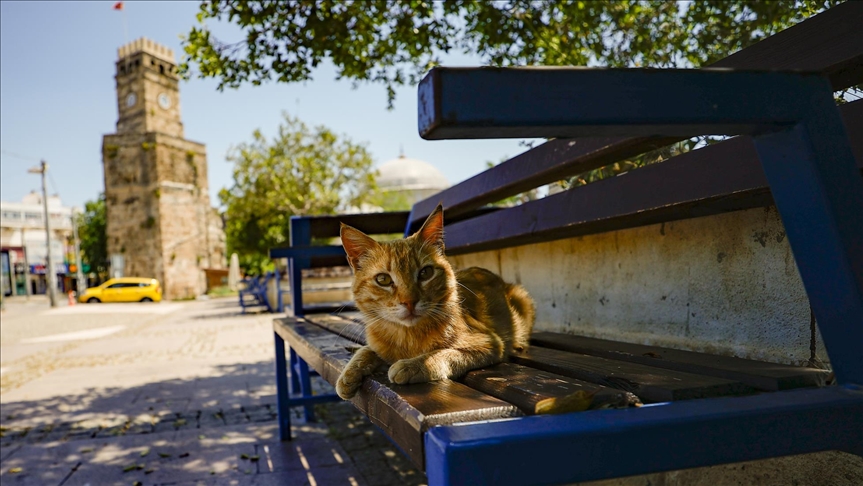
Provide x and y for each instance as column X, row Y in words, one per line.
column 282, row 389
column 305, row 387
column 817, row 189
column 295, row 375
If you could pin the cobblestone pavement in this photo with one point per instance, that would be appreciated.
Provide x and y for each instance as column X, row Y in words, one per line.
column 170, row 393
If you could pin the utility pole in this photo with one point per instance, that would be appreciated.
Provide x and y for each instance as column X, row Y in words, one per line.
column 49, row 266
column 82, row 282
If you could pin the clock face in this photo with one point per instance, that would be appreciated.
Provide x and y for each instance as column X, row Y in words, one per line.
column 164, row 101
column 131, row 99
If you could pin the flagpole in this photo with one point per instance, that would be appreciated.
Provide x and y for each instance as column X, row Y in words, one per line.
column 122, row 8
column 125, row 26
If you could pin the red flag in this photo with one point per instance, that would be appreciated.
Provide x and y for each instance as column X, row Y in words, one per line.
column 118, row 6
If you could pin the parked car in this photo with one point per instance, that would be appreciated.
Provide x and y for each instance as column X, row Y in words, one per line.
column 126, row 289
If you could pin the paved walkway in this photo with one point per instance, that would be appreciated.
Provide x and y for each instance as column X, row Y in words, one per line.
column 170, row 393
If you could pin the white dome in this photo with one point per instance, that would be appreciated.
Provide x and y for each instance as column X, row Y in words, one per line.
column 410, row 174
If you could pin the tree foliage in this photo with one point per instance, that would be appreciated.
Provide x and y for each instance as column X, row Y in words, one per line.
column 394, row 42
column 302, row 171
column 93, row 234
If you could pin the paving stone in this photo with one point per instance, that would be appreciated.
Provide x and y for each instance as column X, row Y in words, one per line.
column 7, row 450
column 234, row 417
column 203, row 462
column 40, row 464
column 293, row 477
column 340, row 475
column 302, row 454
column 210, row 418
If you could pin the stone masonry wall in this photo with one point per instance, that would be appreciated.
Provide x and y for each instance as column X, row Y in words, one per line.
column 184, row 212
column 132, row 211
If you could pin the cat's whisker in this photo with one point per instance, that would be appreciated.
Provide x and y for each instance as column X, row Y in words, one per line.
column 463, row 286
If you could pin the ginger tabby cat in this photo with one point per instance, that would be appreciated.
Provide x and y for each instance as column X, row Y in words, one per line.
column 424, row 319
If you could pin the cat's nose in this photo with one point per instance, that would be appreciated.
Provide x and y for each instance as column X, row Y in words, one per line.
column 409, row 305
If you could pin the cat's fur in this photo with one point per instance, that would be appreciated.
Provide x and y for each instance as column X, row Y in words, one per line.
column 428, row 325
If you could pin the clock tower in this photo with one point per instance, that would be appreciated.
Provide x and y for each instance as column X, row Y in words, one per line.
column 160, row 223
column 148, row 94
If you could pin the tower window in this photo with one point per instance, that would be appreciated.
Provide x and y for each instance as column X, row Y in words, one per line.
column 161, row 69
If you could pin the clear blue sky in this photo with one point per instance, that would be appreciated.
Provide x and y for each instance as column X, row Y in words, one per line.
column 57, row 100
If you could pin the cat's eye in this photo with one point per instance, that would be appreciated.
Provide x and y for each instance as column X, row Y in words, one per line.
column 425, row 274
column 383, row 279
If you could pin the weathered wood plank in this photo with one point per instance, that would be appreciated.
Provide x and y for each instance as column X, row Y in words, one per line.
column 761, row 375
column 404, row 412
column 345, row 324
column 535, row 391
column 532, row 391
column 654, row 384
column 723, row 177
column 648, row 383
column 373, row 224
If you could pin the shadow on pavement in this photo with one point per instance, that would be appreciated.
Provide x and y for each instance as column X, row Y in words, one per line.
column 220, row 429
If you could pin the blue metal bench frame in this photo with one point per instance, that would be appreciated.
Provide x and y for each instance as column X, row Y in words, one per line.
column 804, row 151
column 256, row 287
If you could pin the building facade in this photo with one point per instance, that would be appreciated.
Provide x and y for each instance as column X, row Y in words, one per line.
column 24, row 246
column 159, row 220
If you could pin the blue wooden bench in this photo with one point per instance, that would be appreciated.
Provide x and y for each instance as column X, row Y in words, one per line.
column 254, row 292
column 792, row 149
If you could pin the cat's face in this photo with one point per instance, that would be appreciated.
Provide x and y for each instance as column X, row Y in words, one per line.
column 405, row 282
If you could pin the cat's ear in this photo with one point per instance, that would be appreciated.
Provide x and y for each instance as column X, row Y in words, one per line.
column 432, row 230
column 356, row 244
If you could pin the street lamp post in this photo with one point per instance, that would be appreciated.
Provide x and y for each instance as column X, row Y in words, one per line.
column 49, row 267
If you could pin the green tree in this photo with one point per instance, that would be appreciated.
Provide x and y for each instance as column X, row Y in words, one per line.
column 302, row 171
column 93, row 234
column 394, row 42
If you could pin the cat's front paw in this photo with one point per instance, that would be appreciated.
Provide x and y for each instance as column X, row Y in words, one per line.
column 349, row 383
column 414, row 370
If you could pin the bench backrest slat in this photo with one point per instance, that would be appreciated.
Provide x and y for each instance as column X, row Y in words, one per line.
column 831, row 42
column 719, row 178
column 381, row 223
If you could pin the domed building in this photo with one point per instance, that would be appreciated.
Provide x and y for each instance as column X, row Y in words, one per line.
column 404, row 181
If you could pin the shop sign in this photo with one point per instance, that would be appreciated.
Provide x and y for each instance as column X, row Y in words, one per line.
column 39, row 269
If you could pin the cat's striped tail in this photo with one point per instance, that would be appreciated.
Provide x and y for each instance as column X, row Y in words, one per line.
column 523, row 310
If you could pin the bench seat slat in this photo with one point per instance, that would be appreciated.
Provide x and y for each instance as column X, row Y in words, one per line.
column 520, row 385
column 648, row 383
column 343, row 325
column 759, row 374
column 535, row 391
column 403, row 412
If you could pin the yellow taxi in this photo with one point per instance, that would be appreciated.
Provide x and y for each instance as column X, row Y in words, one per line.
column 126, row 289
